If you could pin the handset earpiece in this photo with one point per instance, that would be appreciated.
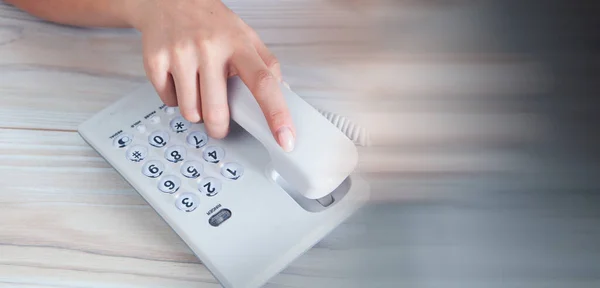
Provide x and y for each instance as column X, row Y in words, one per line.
column 323, row 157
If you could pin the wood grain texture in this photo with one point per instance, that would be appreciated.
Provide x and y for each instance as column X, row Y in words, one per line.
column 446, row 123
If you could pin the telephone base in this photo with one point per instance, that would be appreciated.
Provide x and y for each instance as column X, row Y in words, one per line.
column 239, row 221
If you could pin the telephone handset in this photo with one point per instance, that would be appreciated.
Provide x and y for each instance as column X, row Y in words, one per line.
column 242, row 204
column 323, row 156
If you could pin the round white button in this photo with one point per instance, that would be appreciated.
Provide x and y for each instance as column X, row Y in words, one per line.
column 232, row 171
column 137, row 153
column 153, row 169
column 191, row 169
column 169, row 184
column 175, row 154
column 197, row 139
column 179, row 124
column 123, row 140
column 158, row 138
column 155, row 119
column 141, row 128
column 169, row 110
column 213, row 154
column 187, row 202
column 210, row 186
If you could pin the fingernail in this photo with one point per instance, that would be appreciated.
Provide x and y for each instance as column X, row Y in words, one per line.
column 286, row 139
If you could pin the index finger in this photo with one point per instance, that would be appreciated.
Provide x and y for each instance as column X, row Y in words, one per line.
column 265, row 87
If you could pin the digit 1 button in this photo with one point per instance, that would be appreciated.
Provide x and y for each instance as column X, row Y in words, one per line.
column 123, row 140
column 175, row 154
column 187, row 202
column 232, row 171
column 137, row 153
column 197, row 139
column 213, row 154
column 191, row 169
column 158, row 139
column 210, row 186
column 179, row 124
column 169, row 184
column 153, row 169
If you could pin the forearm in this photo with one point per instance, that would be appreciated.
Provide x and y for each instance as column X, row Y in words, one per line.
column 87, row 13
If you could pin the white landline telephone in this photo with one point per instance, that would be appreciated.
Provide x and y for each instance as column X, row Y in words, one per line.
column 245, row 207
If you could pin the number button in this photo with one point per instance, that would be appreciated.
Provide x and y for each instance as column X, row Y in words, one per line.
column 179, row 124
column 187, row 202
column 153, row 169
column 175, row 154
column 213, row 154
column 197, row 139
column 210, row 186
column 191, row 169
column 169, row 184
column 158, row 139
column 123, row 141
column 232, row 171
column 137, row 153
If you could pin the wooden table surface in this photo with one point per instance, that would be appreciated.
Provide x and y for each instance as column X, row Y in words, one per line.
column 67, row 219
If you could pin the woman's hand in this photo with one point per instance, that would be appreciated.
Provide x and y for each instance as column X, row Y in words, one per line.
column 192, row 46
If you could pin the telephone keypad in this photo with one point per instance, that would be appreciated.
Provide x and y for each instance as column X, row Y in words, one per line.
column 213, row 154
column 175, row 154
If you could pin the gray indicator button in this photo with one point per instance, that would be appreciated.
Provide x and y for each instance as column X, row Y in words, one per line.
column 219, row 217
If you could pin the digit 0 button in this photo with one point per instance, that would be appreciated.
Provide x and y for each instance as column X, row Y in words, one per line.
column 187, row 202
column 158, row 139
column 232, row 171
column 197, row 139
column 169, row 184
column 137, row 153
column 213, row 154
column 122, row 140
column 175, row 154
column 210, row 186
column 153, row 169
column 179, row 124
column 191, row 169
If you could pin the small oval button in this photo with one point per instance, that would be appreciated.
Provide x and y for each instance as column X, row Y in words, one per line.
column 210, row 186
column 175, row 154
column 153, row 169
column 187, row 202
column 191, row 169
column 169, row 184
column 219, row 217
column 232, row 171
column 123, row 140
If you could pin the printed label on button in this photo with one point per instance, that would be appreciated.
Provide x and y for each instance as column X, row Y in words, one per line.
column 123, row 140
column 191, row 169
column 213, row 154
column 210, row 186
column 197, row 139
column 232, row 171
column 153, row 169
column 175, row 154
column 137, row 153
column 179, row 124
column 169, row 184
column 158, row 139
column 187, row 202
